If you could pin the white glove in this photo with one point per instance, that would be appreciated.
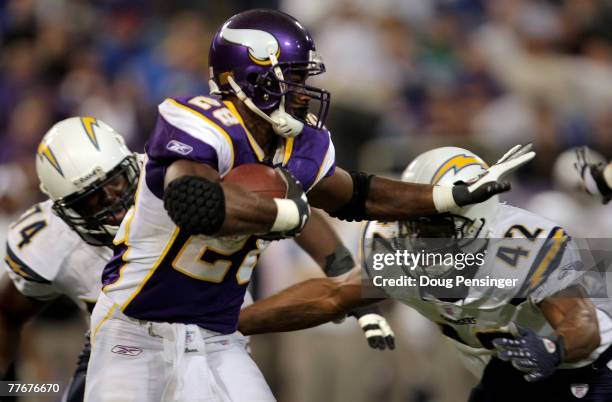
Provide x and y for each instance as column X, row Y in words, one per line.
column 593, row 175
column 516, row 157
column 485, row 185
column 377, row 331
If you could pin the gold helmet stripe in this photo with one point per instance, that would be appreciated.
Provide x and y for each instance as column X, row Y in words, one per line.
column 456, row 163
column 46, row 152
column 88, row 123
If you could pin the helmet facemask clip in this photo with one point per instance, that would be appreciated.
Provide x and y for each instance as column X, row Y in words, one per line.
column 283, row 123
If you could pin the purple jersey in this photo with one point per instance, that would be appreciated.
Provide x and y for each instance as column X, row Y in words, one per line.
column 160, row 273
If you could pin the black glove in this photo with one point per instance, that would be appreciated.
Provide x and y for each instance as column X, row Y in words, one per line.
column 377, row 330
column 592, row 176
column 295, row 193
column 463, row 196
column 533, row 354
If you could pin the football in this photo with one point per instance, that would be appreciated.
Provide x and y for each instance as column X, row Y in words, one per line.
column 258, row 178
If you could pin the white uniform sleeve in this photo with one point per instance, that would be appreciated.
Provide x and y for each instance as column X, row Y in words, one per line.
column 34, row 252
column 26, row 280
column 568, row 271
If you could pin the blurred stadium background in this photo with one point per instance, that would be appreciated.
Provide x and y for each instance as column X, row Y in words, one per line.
column 405, row 76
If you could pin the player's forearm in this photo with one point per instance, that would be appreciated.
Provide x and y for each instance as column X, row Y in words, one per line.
column 221, row 208
column 574, row 319
column 580, row 332
column 246, row 212
column 319, row 240
column 301, row 306
column 394, row 200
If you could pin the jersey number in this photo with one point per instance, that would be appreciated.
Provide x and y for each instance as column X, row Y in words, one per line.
column 511, row 255
column 223, row 114
column 203, row 262
column 29, row 231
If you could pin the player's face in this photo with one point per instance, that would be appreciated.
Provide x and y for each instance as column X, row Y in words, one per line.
column 434, row 227
column 435, row 233
column 298, row 102
column 107, row 196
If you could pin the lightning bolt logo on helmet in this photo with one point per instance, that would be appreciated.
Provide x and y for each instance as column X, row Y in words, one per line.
column 88, row 124
column 456, row 163
column 45, row 152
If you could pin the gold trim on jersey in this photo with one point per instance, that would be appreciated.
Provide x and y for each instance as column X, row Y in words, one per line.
column 16, row 267
column 228, row 138
column 456, row 163
column 288, row 150
column 128, row 223
column 227, row 253
column 559, row 239
column 153, row 269
column 254, row 145
column 257, row 252
column 106, row 317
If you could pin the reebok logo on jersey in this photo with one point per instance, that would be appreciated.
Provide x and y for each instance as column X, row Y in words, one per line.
column 179, row 147
column 126, row 350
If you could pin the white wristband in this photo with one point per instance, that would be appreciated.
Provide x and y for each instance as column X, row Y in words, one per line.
column 443, row 199
column 287, row 215
column 607, row 174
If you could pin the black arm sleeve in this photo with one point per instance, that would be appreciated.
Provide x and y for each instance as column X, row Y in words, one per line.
column 339, row 262
column 355, row 209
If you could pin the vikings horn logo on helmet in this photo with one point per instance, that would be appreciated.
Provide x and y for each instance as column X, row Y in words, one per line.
column 260, row 43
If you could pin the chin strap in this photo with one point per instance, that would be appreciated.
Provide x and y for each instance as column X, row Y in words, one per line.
column 282, row 122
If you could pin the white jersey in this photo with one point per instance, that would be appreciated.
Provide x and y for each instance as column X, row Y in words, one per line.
column 542, row 268
column 46, row 259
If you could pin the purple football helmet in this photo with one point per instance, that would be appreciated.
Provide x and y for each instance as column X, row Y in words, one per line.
column 264, row 57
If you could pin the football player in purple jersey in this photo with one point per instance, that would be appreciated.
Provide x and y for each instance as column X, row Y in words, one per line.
column 184, row 255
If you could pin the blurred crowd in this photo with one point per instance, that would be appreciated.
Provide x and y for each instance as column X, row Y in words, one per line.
column 405, row 76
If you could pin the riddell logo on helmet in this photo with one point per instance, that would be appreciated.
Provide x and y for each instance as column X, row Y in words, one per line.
column 94, row 174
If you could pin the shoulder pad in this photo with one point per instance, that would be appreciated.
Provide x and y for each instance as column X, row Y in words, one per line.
column 38, row 243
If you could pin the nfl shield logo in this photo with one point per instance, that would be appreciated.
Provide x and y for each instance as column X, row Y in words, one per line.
column 579, row 390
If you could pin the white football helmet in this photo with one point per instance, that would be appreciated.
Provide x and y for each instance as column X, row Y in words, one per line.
column 458, row 230
column 85, row 167
column 566, row 177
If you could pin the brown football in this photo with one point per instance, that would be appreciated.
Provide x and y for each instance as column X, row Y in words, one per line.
column 258, row 178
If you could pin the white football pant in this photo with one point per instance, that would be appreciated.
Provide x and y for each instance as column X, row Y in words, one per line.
column 140, row 361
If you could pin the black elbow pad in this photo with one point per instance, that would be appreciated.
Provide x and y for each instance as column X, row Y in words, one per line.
column 195, row 204
column 355, row 209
